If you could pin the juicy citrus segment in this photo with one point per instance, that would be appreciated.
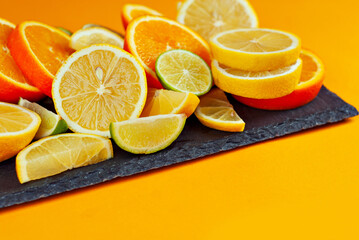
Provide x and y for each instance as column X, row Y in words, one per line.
column 51, row 123
column 255, row 49
column 310, row 83
column 39, row 50
column 149, row 134
column 145, row 41
column 215, row 111
column 95, row 35
column 18, row 127
column 160, row 101
column 56, row 154
column 13, row 83
column 183, row 71
column 259, row 85
column 132, row 11
column 99, row 85
column 210, row 17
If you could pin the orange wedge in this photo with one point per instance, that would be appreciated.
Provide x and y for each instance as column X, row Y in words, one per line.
column 39, row 50
column 18, row 127
column 99, row 85
column 13, row 83
column 311, row 81
column 160, row 101
column 132, row 11
column 149, row 36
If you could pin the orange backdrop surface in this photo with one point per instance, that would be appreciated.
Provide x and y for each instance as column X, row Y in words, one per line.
column 303, row 186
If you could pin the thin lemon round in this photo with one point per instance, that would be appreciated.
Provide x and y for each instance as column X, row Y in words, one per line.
column 259, row 85
column 183, row 71
column 215, row 111
column 18, row 127
column 161, row 101
column 255, row 49
column 95, row 35
column 99, row 85
column 51, row 123
column 210, row 17
column 56, row 154
column 148, row 134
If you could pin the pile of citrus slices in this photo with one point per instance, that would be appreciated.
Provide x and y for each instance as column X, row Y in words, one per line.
column 139, row 88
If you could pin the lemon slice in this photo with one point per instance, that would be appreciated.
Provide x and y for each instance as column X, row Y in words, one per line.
column 56, row 154
column 99, row 85
column 161, row 101
column 18, row 127
column 51, row 123
column 259, row 85
column 94, row 35
column 149, row 134
column 256, row 49
column 215, row 111
column 210, row 17
column 183, row 71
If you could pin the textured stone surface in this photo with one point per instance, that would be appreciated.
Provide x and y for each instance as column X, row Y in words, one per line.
column 195, row 141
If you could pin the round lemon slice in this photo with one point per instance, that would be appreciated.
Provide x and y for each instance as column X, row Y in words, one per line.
column 256, row 49
column 259, row 85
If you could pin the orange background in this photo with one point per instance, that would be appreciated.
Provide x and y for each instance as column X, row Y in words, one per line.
column 303, row 186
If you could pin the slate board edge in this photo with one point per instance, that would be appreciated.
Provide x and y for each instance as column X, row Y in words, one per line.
column 211, row 147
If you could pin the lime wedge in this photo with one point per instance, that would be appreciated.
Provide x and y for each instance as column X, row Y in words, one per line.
column 51, row 123
column 68, row 32
column 183, row 71
column 148, row 134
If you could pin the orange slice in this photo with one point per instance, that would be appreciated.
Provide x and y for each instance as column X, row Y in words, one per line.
column 149, row 36
column 132, row 11
column 160, row 101
column 99, row 85
column 308, row 88
column 39, row 50
column 18, row 127
column 215, row 111
column 13, row 83
column 210, row 17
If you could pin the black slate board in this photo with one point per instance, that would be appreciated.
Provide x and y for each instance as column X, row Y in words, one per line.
column 194, row 142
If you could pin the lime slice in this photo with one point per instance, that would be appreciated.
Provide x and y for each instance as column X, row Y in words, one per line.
column 68, row 32
column 149, row 134
column 51, row 123
column 183, row 71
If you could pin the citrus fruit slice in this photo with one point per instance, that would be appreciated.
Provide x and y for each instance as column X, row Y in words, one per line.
column 95, row 35
column 215, row 111
column 160, row 101
column 132, row 11
column 56, row 154
column 68, row 32
column 210, row 17
column 255, row 49
column 51, row 123
column 91, row 25
column 310, row 83
column 149, row 134
column 259, row 85
column 99, row 85
column 13, row 83
column 18, row 127
column 39, row 50
column 183, row 71
column 149, row 36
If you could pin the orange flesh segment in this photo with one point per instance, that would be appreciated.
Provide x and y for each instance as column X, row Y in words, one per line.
column 309, row 69
column 13, row 120
column 8, row 66
column 169, row 37
column 50, row 48
column 107, row 80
